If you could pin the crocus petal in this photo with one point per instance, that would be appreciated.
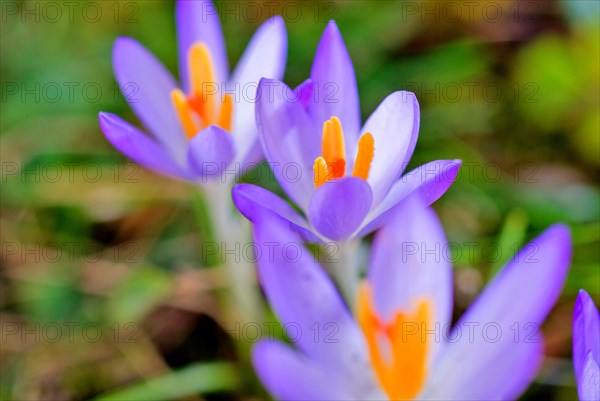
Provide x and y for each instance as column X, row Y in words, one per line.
column 134, row 144
column 147, row 86
column 508, row 312
column 430, row 181
column 544, row 261
column 252, row 200
column 309, row 306
column 586, row 331
column 503, row 373
column 288, row 375
column 210, row 152
column 410, row 263
column 198, row 21
column 336, row 91
column 338, row 208
column 285, row 131
column 395, row 128
column 588, row 385
column 265, row 56
column 305, row 92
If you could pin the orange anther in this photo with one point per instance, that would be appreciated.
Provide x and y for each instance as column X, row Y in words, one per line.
column 184, row 112
column 364, row 158
column 199, row 109
column 333, row 141
column 226, row 112
column 401, row 366
column 321, row 171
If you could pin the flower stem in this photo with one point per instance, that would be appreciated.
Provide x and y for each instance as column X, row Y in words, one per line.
column 345, row 269
column 231, row 236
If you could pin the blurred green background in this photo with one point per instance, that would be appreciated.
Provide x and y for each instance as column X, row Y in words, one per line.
column 102, row 278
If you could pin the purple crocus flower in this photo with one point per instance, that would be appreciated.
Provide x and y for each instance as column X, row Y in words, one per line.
column 346, row 179
column 400, row 343
column 206, row 124
column 586, row 347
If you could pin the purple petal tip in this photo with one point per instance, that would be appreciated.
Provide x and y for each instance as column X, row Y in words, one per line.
column 121, row 42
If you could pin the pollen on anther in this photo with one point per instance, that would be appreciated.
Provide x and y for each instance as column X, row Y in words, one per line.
column 226, row 112
column 321, row 172
column 333, row 146
column 200, row 66
column 364, row 158
column 202, row 82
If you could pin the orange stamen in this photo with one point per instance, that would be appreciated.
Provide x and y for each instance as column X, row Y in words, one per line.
column 364, row 158
column 333, row 154
column 334, row 150
column 199, row 109
column 321, row 171
column 198, row 106
column 184, row 112
column 202, row 75
column 402, row 373
column 226, row 113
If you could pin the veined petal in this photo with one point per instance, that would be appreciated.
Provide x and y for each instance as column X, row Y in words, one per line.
column 338, row 207
column 265, row 56
column 210, row 152
column 507, row 314
column 430, row 181
column 134, row 144
column 337, row 94
column 147, row 86
column 395, row 128
column 198, row 21
column 586, row 332
column 289, row 375
column 307, row 302
column 252, row 200
column 289, row 139
column 588, row 384
column 410, row 263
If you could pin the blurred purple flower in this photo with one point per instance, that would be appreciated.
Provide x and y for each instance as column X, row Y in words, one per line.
column 208, row 124
column 345, row 179
column 586, row 347
column 401, row 344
